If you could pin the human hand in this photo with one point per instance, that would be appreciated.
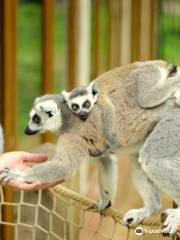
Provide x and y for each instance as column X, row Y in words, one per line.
column 19, row 160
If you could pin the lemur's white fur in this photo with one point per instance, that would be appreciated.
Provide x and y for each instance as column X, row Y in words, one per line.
column 51, row 124
column 146, row 113
column 177, row 97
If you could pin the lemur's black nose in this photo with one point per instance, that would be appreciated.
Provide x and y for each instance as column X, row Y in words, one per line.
column 83, row 115
column 28, row 131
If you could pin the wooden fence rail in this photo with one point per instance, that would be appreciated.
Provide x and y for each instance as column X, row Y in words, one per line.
column 8, row 93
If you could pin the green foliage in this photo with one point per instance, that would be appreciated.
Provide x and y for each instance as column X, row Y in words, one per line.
column 169, row 35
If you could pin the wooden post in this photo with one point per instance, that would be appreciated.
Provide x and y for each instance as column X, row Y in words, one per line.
column 145, row 34
column 47, row 52
column 148, row 29
column 8, row 68
column 72, row 43
column 126, row 32
column 72, row 77
column 95, row 38
column 155, row 10
column 1, row 60
column 136, row 30
column 84, row 72
column 84, row 42
column 144, row 19
column 115, row 33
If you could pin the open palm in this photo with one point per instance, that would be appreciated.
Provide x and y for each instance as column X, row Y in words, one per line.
column 20, row 161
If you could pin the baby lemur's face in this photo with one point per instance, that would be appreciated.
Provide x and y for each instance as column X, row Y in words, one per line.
column 81, row 100
column 44, row 116
column 82, row 105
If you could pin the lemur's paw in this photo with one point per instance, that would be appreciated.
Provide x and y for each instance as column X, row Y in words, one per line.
column 102, row 205
column 134, row 216
column 172, row 221
column 8, row 174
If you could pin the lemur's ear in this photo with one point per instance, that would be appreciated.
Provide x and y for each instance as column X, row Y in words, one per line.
column 92, row 88
column 65, row 95
column 36, row 100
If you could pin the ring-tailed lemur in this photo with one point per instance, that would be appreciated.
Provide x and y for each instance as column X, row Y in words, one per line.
column 81, row 101
column 146, row 116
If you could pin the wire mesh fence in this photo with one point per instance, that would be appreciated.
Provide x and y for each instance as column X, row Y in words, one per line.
column 61, row 214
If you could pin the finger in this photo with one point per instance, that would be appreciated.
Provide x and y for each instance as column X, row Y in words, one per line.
column 34, row 157
column 49, row 185
column 59, row 182
column 24, row 186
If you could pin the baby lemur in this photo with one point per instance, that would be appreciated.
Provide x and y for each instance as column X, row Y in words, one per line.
column 81, row 101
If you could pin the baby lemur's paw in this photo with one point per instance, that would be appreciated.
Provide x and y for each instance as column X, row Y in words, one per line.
column 172, row 221
column 8, row 174
column 134, row 216
column 102, row 205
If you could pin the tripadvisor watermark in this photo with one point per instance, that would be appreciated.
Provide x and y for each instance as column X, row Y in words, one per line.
column 140, row 231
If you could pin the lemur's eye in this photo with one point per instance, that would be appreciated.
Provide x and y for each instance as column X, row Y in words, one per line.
column 75, row 107
column 49, row 113
column 36, row 119
column 87, row 104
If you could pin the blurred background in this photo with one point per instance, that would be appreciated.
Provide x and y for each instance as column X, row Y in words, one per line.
column 51, row 45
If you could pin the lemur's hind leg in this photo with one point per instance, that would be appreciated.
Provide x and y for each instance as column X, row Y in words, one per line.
column 160, row 159
column 165, row 174
column 148, row 192
column 108, row 175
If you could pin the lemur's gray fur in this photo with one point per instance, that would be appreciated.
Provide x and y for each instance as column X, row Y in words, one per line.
column 80, row 96
column 143, row 118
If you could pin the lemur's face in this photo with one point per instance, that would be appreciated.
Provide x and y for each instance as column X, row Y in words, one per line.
column 81, row 100
column 44, row 116
column 82, row 105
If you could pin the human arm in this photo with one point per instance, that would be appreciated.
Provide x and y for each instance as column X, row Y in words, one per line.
column 19, row 161
column 70, row 151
